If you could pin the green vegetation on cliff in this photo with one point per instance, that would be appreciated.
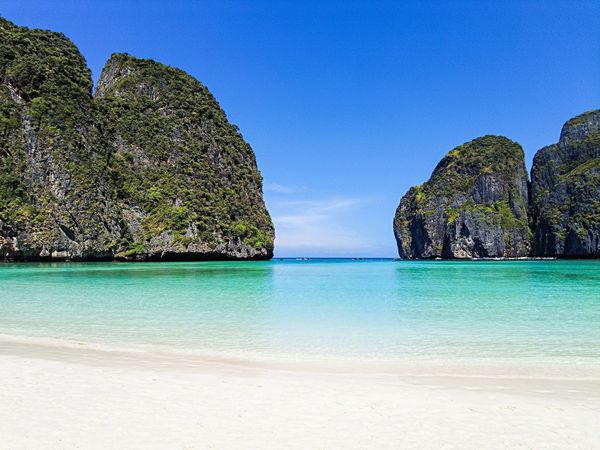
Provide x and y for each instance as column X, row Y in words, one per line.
column 565, row 204
column 149, row 168
column 474, row 205
column 177, row 163
column 463, row 165
column 50, row 186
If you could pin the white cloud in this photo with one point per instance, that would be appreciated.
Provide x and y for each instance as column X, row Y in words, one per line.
column 283, row 189
column 317, row 227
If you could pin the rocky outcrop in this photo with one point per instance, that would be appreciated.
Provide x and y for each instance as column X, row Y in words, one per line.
column 476, row 204
column 147, row 169
column 53, row 194
column 565, row 192
column 473, row 206
column 183, row 179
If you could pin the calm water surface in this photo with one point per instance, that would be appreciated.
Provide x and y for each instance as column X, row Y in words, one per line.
column 530, row 311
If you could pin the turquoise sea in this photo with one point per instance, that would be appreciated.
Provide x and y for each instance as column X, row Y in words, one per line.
column 523, row 311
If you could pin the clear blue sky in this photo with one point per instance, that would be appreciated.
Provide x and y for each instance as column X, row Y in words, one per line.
column 347, row 104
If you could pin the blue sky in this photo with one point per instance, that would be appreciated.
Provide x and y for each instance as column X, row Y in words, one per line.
column 348, row 104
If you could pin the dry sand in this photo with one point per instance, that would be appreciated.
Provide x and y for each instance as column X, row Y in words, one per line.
column 57, row 396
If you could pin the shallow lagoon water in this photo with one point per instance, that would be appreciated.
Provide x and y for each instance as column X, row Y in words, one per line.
column 483, row 311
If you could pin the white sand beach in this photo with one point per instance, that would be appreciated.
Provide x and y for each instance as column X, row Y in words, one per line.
column 66, row 397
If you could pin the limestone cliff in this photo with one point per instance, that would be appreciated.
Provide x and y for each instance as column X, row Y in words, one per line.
column 53, row 195
column 473, row 206
column 565, row 191
column 184, row 181
column 149, row 168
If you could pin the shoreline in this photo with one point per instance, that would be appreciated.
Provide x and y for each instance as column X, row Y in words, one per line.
column 291, row 258
column 438, row 357
column 81, row 397
column 194, row 360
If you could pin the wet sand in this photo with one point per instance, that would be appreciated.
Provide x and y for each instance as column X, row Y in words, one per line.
column 81, row 396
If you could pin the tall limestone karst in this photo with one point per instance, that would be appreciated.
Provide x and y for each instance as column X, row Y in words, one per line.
column 184, row 181
column 565, row 191
column 473, row 206
column 149, row 168
column 53, row 196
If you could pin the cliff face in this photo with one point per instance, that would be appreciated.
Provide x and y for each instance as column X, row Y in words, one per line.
column 52, row 191
column 565, row 188
column 184, row 181
column 473, row 206
column 148, row 169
